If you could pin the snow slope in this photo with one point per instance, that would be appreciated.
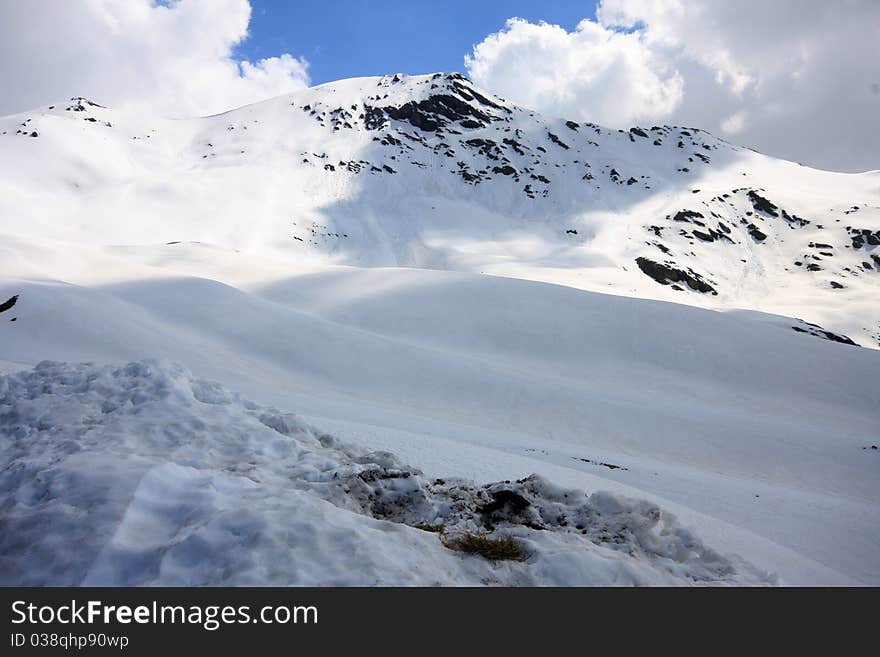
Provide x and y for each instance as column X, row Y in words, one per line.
column 326, row 253
column 751, row 433
column 428, row 171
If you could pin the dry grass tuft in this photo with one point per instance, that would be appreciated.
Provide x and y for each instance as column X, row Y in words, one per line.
column 502, row 548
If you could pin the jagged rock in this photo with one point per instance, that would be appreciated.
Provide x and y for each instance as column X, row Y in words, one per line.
column 817, row 331
column 515, row 145
column 556, row 140
column 432, row 113
column 9, row 303
column 761, row 204
column 664, row 274
column 687, row 215
column 756, row 234
column 861, row 236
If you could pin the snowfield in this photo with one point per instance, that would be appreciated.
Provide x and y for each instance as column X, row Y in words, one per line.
column 431, row 172
column 578, row 336
column 148, row 476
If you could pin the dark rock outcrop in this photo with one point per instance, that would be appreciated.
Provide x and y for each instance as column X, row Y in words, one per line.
column 9, row 303
column 666, row 274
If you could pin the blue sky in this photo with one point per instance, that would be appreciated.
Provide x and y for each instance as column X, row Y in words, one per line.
column 348, row 38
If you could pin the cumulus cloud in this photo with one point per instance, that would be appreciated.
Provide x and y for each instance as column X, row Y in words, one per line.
column 592, row 73
column 174, row 57
column 793, row 78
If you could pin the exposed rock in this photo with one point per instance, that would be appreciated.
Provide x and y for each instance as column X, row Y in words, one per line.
column 762, row 204
column 515, row 145
column 686, row 215
column 756, row 234
column 862, row 236
column 9, row 303
column 556, row 140
column 817, row 331
column 432, row 113
column 610, row 466
column 664, row 274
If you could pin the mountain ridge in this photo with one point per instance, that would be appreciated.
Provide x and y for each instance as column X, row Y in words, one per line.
column 431, row 171
column 350, row 254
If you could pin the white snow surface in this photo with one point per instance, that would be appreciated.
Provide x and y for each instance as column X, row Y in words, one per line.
column 148, row 476
column 401, row 171
column 451, row 320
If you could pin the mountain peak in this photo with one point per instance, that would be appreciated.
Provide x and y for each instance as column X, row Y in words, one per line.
column 432, row 171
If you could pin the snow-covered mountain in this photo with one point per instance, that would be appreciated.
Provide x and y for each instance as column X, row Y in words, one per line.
column 323, row 253
column 429, row 171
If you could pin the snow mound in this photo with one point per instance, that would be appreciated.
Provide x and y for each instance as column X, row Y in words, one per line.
column 141, row 474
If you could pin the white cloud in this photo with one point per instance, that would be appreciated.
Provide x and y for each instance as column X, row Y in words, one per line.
column 591, row 73
column 794, row 78
column 174, row 58
column 734, row 123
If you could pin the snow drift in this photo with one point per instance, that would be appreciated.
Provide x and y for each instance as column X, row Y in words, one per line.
column 140, row 474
